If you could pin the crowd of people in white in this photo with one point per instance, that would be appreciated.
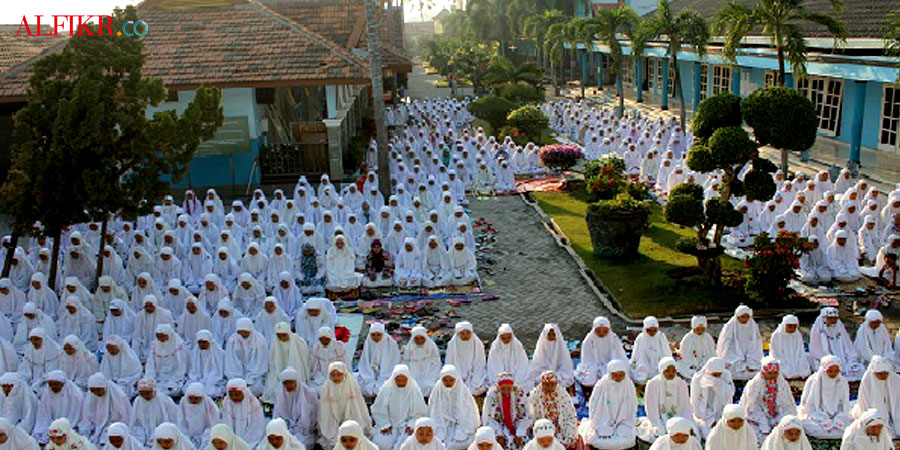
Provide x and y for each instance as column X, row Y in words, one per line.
column 209, row 329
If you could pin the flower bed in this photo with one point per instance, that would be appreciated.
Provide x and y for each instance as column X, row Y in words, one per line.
column 560, row 157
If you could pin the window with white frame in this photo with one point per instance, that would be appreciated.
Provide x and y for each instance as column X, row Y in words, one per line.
column 659, row 73
column 826, row 94
column 627, row 70
column 721, row 79
column 704, row 80
column 671, row 79
column 889, row 138
column 651, row 73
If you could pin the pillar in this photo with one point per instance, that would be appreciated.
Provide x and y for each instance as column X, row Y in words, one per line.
column 331, row 103
column 600, row 70
column 583, row 56
column 698, row 68
column 665, row 84
column 639, row 79
column 736, row 80
column 335, row 148
column 857, row 111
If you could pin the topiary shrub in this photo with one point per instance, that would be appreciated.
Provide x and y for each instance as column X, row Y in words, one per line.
column 491, row 109
column 730, row 146
column 521, row 93
column 782, row 118
column 719, row 111
column 530, row 121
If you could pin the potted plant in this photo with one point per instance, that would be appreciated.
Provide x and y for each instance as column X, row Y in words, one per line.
column 616, row 226
column 559, row 157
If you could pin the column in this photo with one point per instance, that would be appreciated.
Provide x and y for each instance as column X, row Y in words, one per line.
column 698, row 68
column 331, row 105
column 639, row 79
column 600, row 70
column 736, row 80
column 335, row 148
column 857, row 110
column 665, row 84
column 583, row 57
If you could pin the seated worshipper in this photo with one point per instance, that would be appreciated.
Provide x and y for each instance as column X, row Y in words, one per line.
column 42, row 296
column 62, row 436
column 484, row 181
column 326, row 350
column 280, row 262
column 316, row 313
column 13, row 437
column 224, row 321
column 222, row 437
column 740, row 344
column 118, row 437
column 867, row 433
column 814, row 268
column 120, row 320
column 246, row 356
column 551, row 353
column 167, row 362
column 423, row 437
column 879, row 389
column 696, row 347
column 453, row 408
column 197, row 265
column 380, row 354
column 505, row 410
column 242, row 411
column 379, row 268
column 665, row 397
column 145, row 323
column 193, row 319
column 711, row 389
column 104, row 404
column 463, row 268
column 212, row 292
column 872, row 338
column 842, row 258
column 207, row 364
column 600, row 346
column 732, row 432
column 767, row 398
column 59, row 398
column 270, row 315
column 649, row 348
column 787, row 347
column 148, row 410
column 77, row 320
column 678, row 436
column 254, row 262
column 485, row 440
column 887, row 272
column 787, row 434
column 341, row 266
column 286, row 349
column 435, row 263
column 120, row 364
column 351, row 436
column 825, row 401
column 143, row 287
column 197, row 414
column 248, row 295
column 224, row 266
column 288, row 294
column 407, row 272
column 507, row 354
column 18, row 404
column 41, row 357
column 610, row 424
column 423, row 358
column 340, row 400
column 397, row 407
column 167, row 436
column 77, row 361
column 174, row 297
column 278, row 437
column 550, row 401
column 107, row 291
column 297, row 404
column 829, row 337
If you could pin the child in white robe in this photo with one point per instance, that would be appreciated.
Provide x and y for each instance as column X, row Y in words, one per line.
column 649, row 348
column 696, row 347
column 600, row 346
column 740, row 344
column 787, row 347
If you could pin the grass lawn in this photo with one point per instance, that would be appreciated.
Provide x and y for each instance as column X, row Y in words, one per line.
column 642, row 287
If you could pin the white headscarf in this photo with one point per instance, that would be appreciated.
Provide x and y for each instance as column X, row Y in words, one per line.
column 293, row 353
column 788, row 348
column 168, row 430
column 265, row 321
column 881, row 395
column 74, row 441
column 620, row 395
column 99, row 412
column 81, row 364
column 53, row 405
column 467, row 357
column 398, row 407
column 196, row 420
column 123, row 325
column 245, row 418
column 353, row 428
column 378, row 358
column 341, row 402
column 411, row 443
column 246, row 357
column 856, row 438
column 124, row 367
column 453, row 405
column 777, row 441
column 188, row 324
column 16, row 437
column 308, row 326
column 739, row 341
column 509, row 357
column 424, row 361
column 38, row 362
column 824, row 397
column 20, row 406
column 724, row 437
column 300, row 407
column 168, row 361
column 871, row 342
column 551, row 355
column 278, row 427
column 484, row 435
column 130, row 442
column 675, row 426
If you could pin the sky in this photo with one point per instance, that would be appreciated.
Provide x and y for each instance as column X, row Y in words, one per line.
column 422, row 10
column 11, row 11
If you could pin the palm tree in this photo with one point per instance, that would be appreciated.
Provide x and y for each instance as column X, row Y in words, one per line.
column 892, row 38
column 554, row 46
column 781, row 21
column 639, row 36
column 536, row 26
column 584, row 31
column 503, row 71
column 611, row 23
column 685, row 28
column 490, row 22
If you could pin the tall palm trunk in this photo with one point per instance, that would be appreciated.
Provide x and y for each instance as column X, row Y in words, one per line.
column 678, row 90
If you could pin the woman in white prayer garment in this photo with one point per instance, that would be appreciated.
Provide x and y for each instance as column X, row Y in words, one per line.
column 145, row 323
column 246, row 356
column 248, row 295
column 435, row 263
column 15, row 437
column 212, row 292
column 463, row 268
column 167, row 436
column 119, row 320
column 842, row 258
column 279, row 437
column 18, row 404
column 62, row 436
column 711, row 390
column 696, row 347
column 740, row 344
column 77, row 361
column 485, row 439
column 287, row 293
column 379, row 356
column 423, row 358
column 868, row 432
column 733, row 432
column 197, row 414
column 767, row 398
column 104, row 404
column 453, row 408
column 552, row 353
column 507, row 354
column 423, row 436
column 407, row 271
column 207, row 364
column 351, row 435
column 326, row 350
column 872, row 338
column 12, row 299
column 316, row 313
column 880, row 389
column 224, row 321
column 814, row 268
column 149, row 409
column 59, row 398
column 825, row 401
column 600, row 346
column 286, row 349
column 76, row 319
column 397, row 406
column 297, row 404
column 167, row 362
column 120, row 364
column 665, row 397
column 144, row 286
column 192, row 319
column 242, row 411
column 41, row 357
column 787, row 347
column 270, row 315
column 788, row 434
column 829, row 337
column 340, row 400
column 254, row 262
column 679, row 436
column 612, row 408
column 222, row 437
column 649, row 348
column 42, row 296
column 341, row 266
column 118, row 437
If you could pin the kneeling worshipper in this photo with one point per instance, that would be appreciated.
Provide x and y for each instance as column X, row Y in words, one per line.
column 484, row 440
column 423, row 437
column 397, row 407
column 18, row 404
column 222, row 437
column 120, row 364
column 465, row 352
column 77, row 361
column 13, row 437
column 505, row 410
column 246, row 357
column 148, row 410
column 380, row 354
column 278, row 437
column 104, row 405
column 435, row 263
column 167, row 436
column 32, row 318
column 340, row 400
column 60, row 398
column 678, row 436
column 788, row 434
column 340, row 266
column 829, row 337
column 285, row 350
column 813, row 267
column 207, row 364
column 612, row 410
column 843, row 258
column 711, row 390
column 326, row 350
column 787, row 347
column 78, row 320
column 549, row 400
column 825, row 401
column 423, row 358
column 379, row 268
column 872, row 338
column 145, row 323
column 463, row 268
column 696, row 347
column 408, row 272
column 453, row 408
column 270, row 315
column 733, row 432
column 600, row 346
column 544, row 437
column 740, row 344
column 118, row 437
column 507, row 355
column 197, row 414
column 193, row 319
column 297, row 404
column 665, row 396
column 63, row 436
column 767, row 398
column 649, row 348
column 120, row 320
column 351, row 436
column 167, row 362
column 551, row 353
column 242, row 411
column 880, row 389
column 868, row 432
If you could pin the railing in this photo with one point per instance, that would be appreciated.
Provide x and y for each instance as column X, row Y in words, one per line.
column 285, row 162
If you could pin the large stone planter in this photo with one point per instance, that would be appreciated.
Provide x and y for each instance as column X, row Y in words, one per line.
column 616, row 236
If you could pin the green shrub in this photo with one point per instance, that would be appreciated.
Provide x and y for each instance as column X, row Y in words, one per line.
column 781, row 117
column 521, row 93
column 529, row 120
column 723, row 214
column 685, row 209
column 613, row 161
column 758, row 185
column 491, row 109
column 772, row 267
column 718, row 111
column 623, row 204
column 730, row 146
